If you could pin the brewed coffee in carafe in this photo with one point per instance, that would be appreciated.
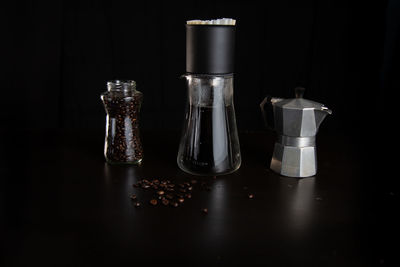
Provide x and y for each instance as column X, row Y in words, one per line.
column 209, row 143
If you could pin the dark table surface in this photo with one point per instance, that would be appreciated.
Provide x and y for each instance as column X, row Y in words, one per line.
column 62, row 204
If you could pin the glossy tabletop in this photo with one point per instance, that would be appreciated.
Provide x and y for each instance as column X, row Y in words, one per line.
column 62, row 204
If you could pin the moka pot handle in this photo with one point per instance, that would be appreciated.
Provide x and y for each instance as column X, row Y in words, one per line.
column 267, row 111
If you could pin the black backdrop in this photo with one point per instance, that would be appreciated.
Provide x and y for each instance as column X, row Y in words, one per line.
column 59, row 54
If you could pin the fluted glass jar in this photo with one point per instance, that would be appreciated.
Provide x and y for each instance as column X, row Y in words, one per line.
column 122, row 103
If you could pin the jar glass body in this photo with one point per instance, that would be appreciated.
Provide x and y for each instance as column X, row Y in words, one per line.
column 209, row 144
column 122, row 103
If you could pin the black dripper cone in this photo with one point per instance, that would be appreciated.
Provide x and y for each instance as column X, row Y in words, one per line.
column 210, row 48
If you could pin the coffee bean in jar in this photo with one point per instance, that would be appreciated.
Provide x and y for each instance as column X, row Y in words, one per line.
column 122, row 104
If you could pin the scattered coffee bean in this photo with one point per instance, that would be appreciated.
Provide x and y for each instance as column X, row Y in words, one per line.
column 164, row 191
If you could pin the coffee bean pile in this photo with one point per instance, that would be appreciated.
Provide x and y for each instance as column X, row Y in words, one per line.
column 123, row 143
column 167, row 193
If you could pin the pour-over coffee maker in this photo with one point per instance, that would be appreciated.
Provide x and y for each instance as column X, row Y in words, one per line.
column 209, row 144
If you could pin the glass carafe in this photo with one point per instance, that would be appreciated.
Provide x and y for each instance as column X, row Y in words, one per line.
column 209, row 144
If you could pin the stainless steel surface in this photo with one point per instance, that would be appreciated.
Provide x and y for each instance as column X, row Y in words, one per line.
column 296, row 141
column 296, row 121
column 298, row 117
column 294, row 161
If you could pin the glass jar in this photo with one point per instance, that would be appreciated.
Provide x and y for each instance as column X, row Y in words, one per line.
column 209, row 144
column 122, row 103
